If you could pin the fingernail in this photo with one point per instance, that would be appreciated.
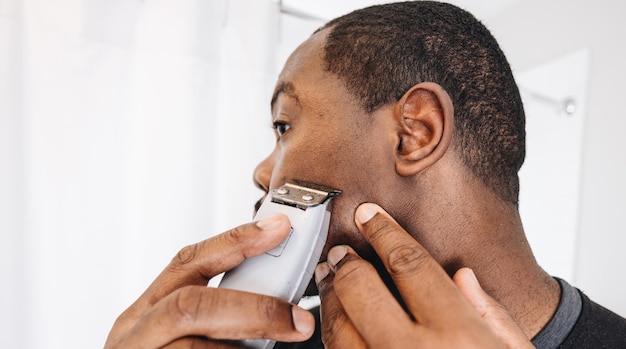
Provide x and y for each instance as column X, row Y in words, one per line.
column 270, row 223
column 365, row 212
column 321, row 272
column 336, row 254
column 302, row 320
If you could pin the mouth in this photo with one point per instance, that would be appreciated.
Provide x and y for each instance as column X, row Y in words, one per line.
column 258, row 204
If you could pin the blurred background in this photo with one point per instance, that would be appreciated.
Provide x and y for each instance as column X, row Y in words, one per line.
column 129, row 129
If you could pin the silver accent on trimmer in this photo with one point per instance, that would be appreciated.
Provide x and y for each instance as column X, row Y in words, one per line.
column 302, row 197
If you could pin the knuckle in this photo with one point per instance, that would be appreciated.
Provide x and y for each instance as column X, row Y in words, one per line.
column 185, row 255
column 269, row 308
column 187, row 303
column 270, row 311
column 350, row 269
column 235, row 236
column 407, row 260
column 379, row 228
column 190, row 257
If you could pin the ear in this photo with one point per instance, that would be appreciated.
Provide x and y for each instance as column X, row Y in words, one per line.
column 425, row 119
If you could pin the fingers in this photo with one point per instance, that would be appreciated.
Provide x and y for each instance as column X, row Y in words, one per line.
column 219, row 314
column 337, row 329
column 196, row 264
column 358, row 305
column 426, row 288
column 497, row 318
column 199, row 343
column 354, row 298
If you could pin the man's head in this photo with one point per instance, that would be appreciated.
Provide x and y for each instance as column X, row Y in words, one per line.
column 382, row 51
column 398, row 104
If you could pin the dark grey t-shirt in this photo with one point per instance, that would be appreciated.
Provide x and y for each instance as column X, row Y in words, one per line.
column 563, row 320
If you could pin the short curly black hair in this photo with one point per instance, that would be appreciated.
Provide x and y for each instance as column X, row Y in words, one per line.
column 380, row 52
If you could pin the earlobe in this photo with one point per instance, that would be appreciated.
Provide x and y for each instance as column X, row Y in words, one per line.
column 425, row 119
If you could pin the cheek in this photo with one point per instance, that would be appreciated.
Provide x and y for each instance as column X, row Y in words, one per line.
column 306, row 161
column 344, row 162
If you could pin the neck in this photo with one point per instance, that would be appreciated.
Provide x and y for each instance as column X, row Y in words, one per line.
column 510, row 274
column 482, row 232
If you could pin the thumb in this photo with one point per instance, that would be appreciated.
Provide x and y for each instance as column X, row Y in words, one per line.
column 496, row 316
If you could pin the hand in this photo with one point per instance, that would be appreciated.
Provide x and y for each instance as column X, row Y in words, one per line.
column 359, row 311
column 496, row 316
column 179, row 310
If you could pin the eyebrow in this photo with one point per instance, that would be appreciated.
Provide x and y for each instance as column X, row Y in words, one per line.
column 286, row 88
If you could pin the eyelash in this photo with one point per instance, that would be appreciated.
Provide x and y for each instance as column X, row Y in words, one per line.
column 281, row 127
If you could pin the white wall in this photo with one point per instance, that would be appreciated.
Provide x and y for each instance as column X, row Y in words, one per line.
column 551, row 176
column 128, row 129
column 535, row 31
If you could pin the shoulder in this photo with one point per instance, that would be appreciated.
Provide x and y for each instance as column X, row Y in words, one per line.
column 596, row 327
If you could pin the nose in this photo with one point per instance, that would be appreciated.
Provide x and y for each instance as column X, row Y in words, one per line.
column 263, row 173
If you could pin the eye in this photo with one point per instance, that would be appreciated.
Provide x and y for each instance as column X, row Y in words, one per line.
column 281, row 127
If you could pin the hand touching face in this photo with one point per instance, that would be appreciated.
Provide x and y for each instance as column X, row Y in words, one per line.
column 359, row 311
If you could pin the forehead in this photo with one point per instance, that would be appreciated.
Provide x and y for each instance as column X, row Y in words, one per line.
column 303, row 75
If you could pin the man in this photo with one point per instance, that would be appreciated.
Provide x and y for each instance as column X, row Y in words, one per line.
column 411, row 106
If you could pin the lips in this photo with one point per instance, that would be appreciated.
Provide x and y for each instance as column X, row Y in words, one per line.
column 258, row 204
